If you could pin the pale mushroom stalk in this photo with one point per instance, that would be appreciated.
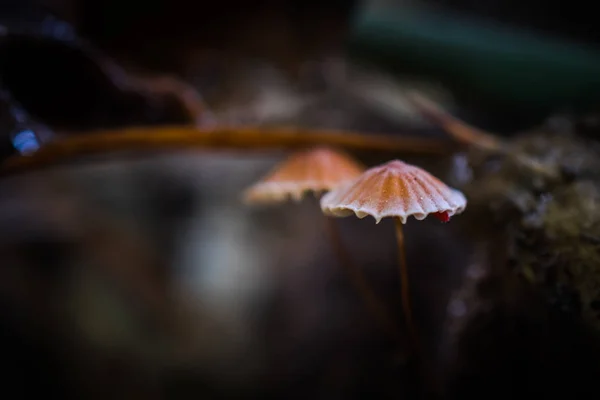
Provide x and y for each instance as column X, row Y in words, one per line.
column 373, row 303
column 404, row 282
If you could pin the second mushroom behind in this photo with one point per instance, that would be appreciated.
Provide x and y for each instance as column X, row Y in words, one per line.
column 315, row 170
column 396, row 190
column 319, row 170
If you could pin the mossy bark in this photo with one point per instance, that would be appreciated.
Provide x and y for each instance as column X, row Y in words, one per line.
column 533, row 315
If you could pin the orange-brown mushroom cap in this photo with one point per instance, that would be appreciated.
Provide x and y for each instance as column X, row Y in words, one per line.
column 394, row 189
column 316, row 170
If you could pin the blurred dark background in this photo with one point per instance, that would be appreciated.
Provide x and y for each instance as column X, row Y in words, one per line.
column 149, row 279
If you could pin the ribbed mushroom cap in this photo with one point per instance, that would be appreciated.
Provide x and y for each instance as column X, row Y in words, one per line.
column 317, row 170
column 394, row 189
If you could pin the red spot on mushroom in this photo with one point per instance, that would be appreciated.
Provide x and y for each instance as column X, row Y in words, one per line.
column 442, row 216
column 394, row 189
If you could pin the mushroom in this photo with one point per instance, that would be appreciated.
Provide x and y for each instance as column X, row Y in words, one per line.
column 397, row 190
column 319, row 170
column 316, row 170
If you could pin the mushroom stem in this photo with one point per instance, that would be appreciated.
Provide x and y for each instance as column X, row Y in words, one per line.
column 375, row 305
column 404, row 282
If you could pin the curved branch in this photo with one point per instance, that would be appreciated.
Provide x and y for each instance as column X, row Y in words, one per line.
column 459, row 130
column 231, row 138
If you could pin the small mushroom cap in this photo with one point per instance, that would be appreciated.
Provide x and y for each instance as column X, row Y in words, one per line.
column 394, row 189
column 317, row 170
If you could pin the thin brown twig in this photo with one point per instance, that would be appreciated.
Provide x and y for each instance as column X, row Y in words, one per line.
column 232, row 138
column 185, row 93
column 188, row 97
column 470, row 135
column 458, row 129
